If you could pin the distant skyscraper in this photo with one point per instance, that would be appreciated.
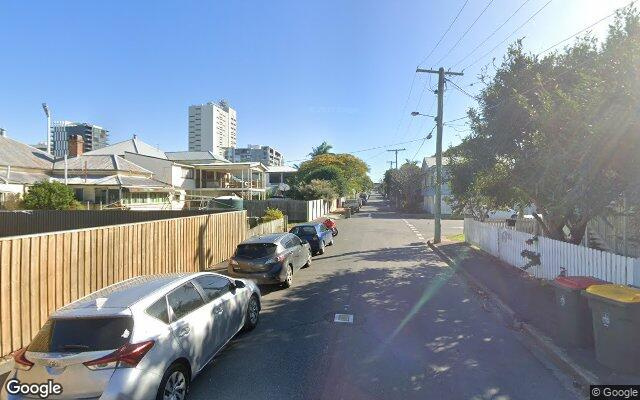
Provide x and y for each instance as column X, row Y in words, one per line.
column 94, row 137
column 212, row 127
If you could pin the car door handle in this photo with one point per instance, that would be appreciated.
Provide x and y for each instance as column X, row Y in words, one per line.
column 184, row 331
column 217, row 310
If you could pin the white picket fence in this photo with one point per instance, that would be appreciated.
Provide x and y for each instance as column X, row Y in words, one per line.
column 507, row 244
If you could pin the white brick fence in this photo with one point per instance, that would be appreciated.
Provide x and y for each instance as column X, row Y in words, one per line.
column 507, row 244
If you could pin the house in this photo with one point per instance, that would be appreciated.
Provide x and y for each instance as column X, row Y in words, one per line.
column 215, row 176
column 107, row 180
column 278, row 174
column 429, row 186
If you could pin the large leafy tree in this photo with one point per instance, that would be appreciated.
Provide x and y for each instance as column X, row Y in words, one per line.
column 559, row 132
column 330, row 173
column 317, row 189
column 404, row 184
column 353, row 169
column 49, row 196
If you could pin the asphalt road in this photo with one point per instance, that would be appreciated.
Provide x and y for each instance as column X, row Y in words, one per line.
column 418, row 331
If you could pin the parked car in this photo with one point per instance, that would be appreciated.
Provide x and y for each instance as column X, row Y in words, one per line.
column 270, row 259
column 352, row 204
column 144, row 338
column 316, row 234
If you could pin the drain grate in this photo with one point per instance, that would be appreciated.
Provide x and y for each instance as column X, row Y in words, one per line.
column 343, row 318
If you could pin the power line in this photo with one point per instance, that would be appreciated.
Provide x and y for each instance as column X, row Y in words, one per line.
column 364, row 150
column 585, row 29
column 461, row 89
column 422, row 144
column 509, row 36
column 491, row 35
column 549, row 48
column 445, row 33
column 465, row 32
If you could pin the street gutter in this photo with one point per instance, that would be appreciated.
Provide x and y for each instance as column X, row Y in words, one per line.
column 581, row 376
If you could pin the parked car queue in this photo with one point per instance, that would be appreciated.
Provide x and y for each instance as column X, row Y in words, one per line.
column 148, row 337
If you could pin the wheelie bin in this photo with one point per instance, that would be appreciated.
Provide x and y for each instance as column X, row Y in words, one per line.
column 616, row 323
column 574, row 326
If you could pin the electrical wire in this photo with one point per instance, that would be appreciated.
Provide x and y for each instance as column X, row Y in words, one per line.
column 462, row 90
column 422, row 144
column 509, row 36
column 465, row 32
column 491, row 35
column 445, row 33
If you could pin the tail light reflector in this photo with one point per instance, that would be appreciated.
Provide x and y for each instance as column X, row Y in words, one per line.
column 128, row 355
column 21, row 361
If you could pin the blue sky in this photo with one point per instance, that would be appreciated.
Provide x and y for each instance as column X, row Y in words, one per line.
column 297, row 72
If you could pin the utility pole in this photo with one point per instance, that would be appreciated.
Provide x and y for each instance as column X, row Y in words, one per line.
column 390, row 164
column 438, row 201
column 396, row 151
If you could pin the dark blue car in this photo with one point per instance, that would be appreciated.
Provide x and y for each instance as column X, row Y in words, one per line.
column 316, row 234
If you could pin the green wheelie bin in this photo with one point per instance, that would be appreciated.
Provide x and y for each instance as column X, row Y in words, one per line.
column 616, row 323
column 574, row 326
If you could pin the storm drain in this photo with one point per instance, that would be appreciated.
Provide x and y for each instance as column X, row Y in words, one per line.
column 343, row 318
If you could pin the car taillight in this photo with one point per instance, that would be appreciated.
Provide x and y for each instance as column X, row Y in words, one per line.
column 128, row 355
column 21, row 361
column 280, row 258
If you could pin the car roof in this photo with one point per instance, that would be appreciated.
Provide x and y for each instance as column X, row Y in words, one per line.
column 313, row 224
column 122, row 295
column 269, row 238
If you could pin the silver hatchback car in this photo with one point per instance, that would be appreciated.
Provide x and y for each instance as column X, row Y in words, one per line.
column 143, row 338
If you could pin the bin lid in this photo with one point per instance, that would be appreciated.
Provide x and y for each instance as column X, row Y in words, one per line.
column 578, row 282
column 619, row 293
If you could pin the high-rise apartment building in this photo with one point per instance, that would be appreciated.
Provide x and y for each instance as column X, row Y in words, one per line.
column 255, row 153
column 212, row 127
column 94, row 137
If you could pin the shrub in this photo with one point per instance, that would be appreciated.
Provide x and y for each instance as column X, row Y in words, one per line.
column 50, row 196
column 272, row 214
column 317, row 189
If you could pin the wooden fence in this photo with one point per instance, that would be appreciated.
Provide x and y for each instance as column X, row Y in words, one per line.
column 27, row 222
column 296, row 210
column 275, row 226
column 508, row 244
column 40, row 273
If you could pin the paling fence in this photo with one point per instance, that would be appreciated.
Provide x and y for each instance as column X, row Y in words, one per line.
column 42, row 272
column 296, row 210
column 508, row 244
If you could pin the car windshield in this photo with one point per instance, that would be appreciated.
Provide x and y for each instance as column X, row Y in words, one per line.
column 82, row 334
column 256, row 250
column 304, row 230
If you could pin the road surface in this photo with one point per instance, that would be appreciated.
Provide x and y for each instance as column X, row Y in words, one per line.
column 418, row 331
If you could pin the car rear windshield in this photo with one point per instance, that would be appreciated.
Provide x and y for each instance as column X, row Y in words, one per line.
column 256, row 250
column 82, row 334
column 304, row 230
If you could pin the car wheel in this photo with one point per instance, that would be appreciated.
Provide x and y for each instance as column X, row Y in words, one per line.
column 288, row 279
column 253, row 314
column 331, row 242
column 174, row 384
column 321, row 249
column 308, row 264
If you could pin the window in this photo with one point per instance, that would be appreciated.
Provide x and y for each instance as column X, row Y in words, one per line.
column 304, row 230
column 296, row 241
column 213, row 286
column 70, row 335
column 256, row 250
column 289, row 244
column 183, row 300
column 158, row 310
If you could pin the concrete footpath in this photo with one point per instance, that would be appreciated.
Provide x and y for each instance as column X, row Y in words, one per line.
column 530, row 303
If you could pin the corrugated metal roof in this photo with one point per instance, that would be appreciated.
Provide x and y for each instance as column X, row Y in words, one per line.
column 280, row 168
column 133, row 145
column 18, row 154
column 22, row 177
column 194, row 156
column 114, row 180
column 99, row 162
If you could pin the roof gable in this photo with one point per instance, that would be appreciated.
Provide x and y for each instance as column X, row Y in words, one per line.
column 18, row 154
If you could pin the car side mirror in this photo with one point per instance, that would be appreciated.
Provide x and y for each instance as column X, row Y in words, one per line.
column 238, row 284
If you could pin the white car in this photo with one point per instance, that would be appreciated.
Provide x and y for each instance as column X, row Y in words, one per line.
column 143, row 338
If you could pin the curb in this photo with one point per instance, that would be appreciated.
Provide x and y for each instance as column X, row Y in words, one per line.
column 580, row 375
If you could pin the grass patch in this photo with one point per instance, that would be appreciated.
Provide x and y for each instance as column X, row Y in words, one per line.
column 456, row 238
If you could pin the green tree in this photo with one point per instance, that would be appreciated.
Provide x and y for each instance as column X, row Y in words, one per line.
column 404, row 184
column 317, row 189
column 559, row 132
column 332, row 174
column 323, row 148
column 50, row 196
column 353, row 169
